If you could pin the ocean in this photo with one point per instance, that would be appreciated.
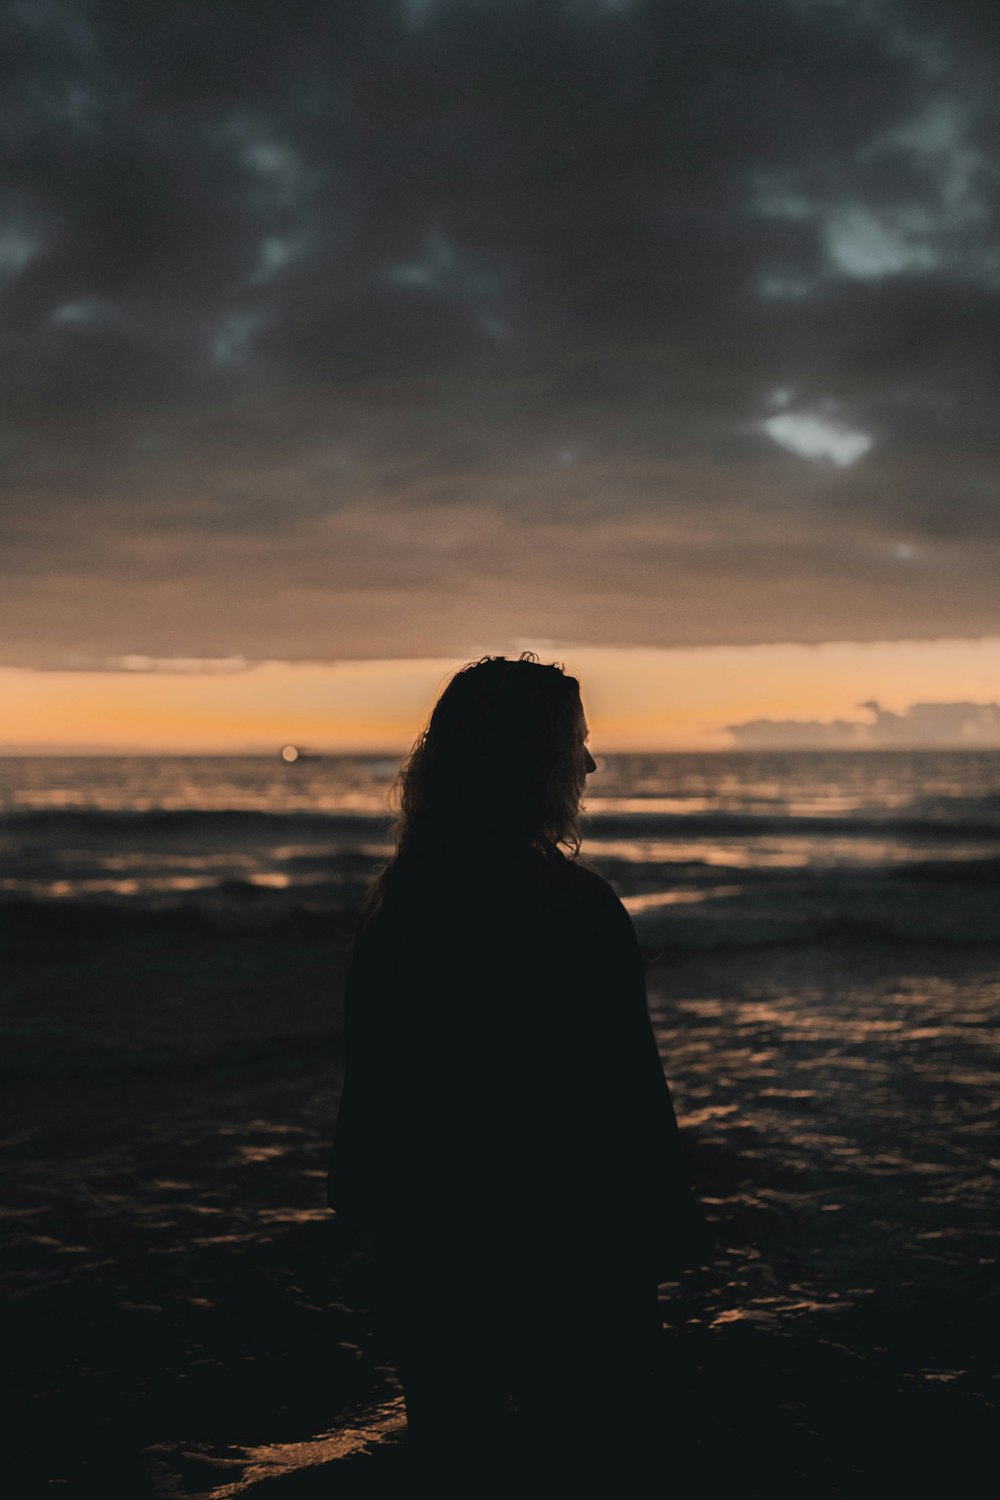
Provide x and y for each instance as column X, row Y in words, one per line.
column 822, row 935
column 754, row 847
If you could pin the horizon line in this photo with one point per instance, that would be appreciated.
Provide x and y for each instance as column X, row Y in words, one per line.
column 139, row 752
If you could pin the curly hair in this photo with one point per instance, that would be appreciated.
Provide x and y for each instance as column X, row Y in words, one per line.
column 498, row 767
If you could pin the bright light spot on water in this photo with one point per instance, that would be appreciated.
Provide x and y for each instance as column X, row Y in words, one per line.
column 246, row 1468
column 289, row 754
column 656, row 899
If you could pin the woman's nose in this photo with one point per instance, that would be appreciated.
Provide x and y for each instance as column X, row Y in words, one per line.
column 589, row 763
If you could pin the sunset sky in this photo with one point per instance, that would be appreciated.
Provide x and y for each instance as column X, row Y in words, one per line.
column 343, row 343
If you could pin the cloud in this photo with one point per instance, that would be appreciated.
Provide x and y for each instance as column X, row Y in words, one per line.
column 276, row 253
column 233, row 341
column 921, row 726
column 18, row 248
column 186, row 666
column 915, row 198
column 86, row 312
column 815, row 436
column 302, row 314
column 172, row 666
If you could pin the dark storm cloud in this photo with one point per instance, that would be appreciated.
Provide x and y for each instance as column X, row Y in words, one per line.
column 369, row 329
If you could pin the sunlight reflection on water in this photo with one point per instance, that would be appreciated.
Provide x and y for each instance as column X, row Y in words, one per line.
column 242, row 1469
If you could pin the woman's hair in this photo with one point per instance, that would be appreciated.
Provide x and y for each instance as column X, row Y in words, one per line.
column 498, row 768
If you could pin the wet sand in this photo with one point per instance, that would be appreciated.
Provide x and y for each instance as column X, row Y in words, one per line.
column 190, row 1320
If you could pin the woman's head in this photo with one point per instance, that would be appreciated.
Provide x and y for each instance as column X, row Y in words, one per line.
column 501, row 764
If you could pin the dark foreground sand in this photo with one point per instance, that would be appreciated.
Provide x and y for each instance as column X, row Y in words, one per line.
column 189, row 1321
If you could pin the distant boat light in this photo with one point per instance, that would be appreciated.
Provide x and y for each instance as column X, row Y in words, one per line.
column 289, row 753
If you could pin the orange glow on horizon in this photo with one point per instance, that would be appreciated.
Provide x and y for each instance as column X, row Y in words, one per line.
column 636, row 698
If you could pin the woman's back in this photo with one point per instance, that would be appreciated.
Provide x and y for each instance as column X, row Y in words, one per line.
column 502, row 1071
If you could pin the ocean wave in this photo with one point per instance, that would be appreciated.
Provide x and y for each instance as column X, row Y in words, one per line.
column 32, row 930
column 972, row 820
column 736, row 937
column 250, row 825
column 745, row 825
column 952, row 871
column 895, row 915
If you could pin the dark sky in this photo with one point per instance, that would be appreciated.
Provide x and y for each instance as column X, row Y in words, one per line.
column 352, row 329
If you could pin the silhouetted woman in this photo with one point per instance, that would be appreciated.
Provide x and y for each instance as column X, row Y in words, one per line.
column 506, row 1135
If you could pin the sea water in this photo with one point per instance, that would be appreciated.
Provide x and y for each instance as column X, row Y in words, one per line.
column 704, row 849
column 821, row 932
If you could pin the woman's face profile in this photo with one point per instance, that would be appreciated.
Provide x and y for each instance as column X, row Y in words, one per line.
column 589, row 763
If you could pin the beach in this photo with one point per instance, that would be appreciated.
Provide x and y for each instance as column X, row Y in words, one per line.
column 821, row 947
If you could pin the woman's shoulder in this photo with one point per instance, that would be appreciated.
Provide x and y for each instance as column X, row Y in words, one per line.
column 588, row 890
column 495, row 890
column 588, row 881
